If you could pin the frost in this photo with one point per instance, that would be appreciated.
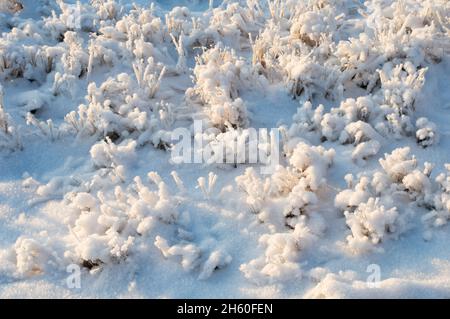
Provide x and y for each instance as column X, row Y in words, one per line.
column 10, row 6
column 188, row 253
column 398, row 164
column 9, row 136
column 31, row 257
column 91, row 93
column 426, row 134
column 107, row 154
column 365, row 150
column 292, row 191
column 441, row 213
column 105, row 227
column 312, row 162
column 216, row 260
column 372, row 205
column 219, row 75
column 280, row 261
column 401, row 85
column 370, row 224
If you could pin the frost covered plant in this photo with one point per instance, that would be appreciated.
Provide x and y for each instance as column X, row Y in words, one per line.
column 394, row 31
column 71, row 17
column 291, row 187
column 3, row 115
column 11, row 6
column 311, row 27
column 364, row 121
column 266, row 54
column 189, row 253
column 321, row 56
column 141, row 24
column 237, row 146
column 75, row 60
column 280, row 261
column 181, row 66
column 106, row 51
column 207, row 189
column 32, row 257
column 332, row 126
column 349, row 124
column 46, row 128
column 109, row 155
column 102, row 115
column 364, row 137
column 190, row 256
column 179, row 21
column 312, row 163
column 107, row 9
column 219, row 74
column 359, row 58
column 149, row 76
column 398, row 164
column 441, row 213
column 401, row 85
column 119, row 108
column 306, row 60
column 32, row 62
column 426, row 134
column 307, row 77
column 105, row 226
column 302, row 59
column 292, row 192
column 413, row 29
column 9, row 136
column 400, row 175
column 371, row 206
column 109, row 225
column 230, row 24
column 235, row 22
column 256, row 190
column 370, row 224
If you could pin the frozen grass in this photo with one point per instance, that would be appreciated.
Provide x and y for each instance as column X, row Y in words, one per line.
column 90, row 94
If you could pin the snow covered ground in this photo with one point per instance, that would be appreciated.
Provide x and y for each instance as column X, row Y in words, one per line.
column 93, row 202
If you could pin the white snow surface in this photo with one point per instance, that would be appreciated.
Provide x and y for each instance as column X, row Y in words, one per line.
column 358, row 207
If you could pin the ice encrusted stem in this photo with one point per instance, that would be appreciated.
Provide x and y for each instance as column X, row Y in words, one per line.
column 179, row 45
column 207, row 189
column 3, row 121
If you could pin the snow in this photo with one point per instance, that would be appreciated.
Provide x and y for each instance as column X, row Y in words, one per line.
column 356, row 205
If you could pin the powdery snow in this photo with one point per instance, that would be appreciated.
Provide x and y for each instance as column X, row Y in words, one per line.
column 357, row 205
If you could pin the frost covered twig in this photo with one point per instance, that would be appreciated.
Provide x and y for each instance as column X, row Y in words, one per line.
column 147, row 77
column 179, row 45
column 9, row 136
column 207, row 188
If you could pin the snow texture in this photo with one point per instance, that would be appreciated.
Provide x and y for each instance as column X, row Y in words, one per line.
column 92, row 92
